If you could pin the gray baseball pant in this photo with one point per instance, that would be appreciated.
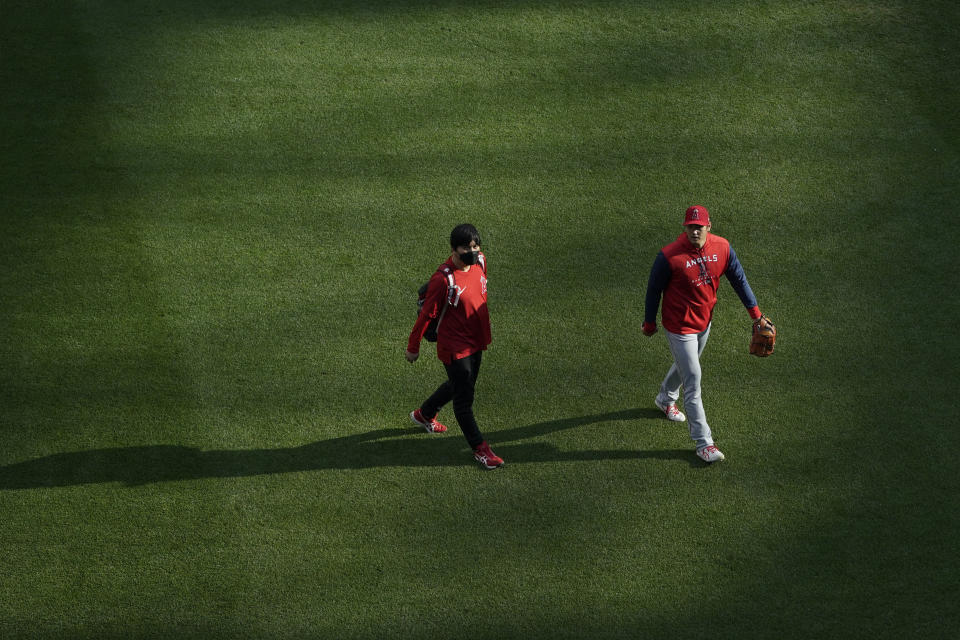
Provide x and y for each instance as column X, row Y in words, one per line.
column 685, row 372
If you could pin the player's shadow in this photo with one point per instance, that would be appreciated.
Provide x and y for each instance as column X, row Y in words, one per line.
column 542, row 451
column 394, row 447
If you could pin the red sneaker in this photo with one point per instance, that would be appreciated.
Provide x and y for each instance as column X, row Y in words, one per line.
column 487, row 459
column 432, row 426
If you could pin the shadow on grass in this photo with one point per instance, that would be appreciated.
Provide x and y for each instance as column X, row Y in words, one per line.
column 395, row 447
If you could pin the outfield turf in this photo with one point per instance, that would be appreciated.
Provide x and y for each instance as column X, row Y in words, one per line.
column 215, row 217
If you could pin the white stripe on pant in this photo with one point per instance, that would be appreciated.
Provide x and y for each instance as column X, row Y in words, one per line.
column 685, row 372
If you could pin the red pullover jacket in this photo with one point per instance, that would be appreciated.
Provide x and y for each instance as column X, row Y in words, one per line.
column 688, row 279
column 465, row 327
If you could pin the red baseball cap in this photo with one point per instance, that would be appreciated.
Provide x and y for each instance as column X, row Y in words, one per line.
column 697, row 214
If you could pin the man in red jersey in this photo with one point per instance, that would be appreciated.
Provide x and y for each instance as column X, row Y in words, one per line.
column 457, row 295
column 686, row 273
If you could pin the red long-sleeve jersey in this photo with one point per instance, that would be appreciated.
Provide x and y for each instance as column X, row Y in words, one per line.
column 465, row 326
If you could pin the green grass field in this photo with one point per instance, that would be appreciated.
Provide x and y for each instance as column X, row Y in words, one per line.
column 215, row 216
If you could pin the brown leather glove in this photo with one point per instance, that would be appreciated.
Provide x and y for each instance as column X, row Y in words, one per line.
column 763, row 338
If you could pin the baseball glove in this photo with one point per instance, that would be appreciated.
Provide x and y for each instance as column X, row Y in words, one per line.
column 763, row 338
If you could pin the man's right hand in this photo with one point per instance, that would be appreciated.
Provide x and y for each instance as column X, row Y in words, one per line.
column 412, row 357
column 649, row 328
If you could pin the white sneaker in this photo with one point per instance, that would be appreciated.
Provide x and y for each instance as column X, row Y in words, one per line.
column 710, row 454
column 671, row 411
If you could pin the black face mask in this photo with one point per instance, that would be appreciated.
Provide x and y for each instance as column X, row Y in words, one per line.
column 470, row 257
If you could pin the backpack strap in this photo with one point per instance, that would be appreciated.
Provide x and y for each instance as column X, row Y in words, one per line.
column 453, row 296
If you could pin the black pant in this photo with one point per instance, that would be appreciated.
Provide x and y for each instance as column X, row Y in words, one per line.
column 461, row 380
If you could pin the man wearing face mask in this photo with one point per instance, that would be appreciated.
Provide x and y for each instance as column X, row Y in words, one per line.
column 462, row 336
column 686, row 273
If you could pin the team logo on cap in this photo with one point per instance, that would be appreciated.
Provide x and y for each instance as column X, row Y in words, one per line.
column 695, row 214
